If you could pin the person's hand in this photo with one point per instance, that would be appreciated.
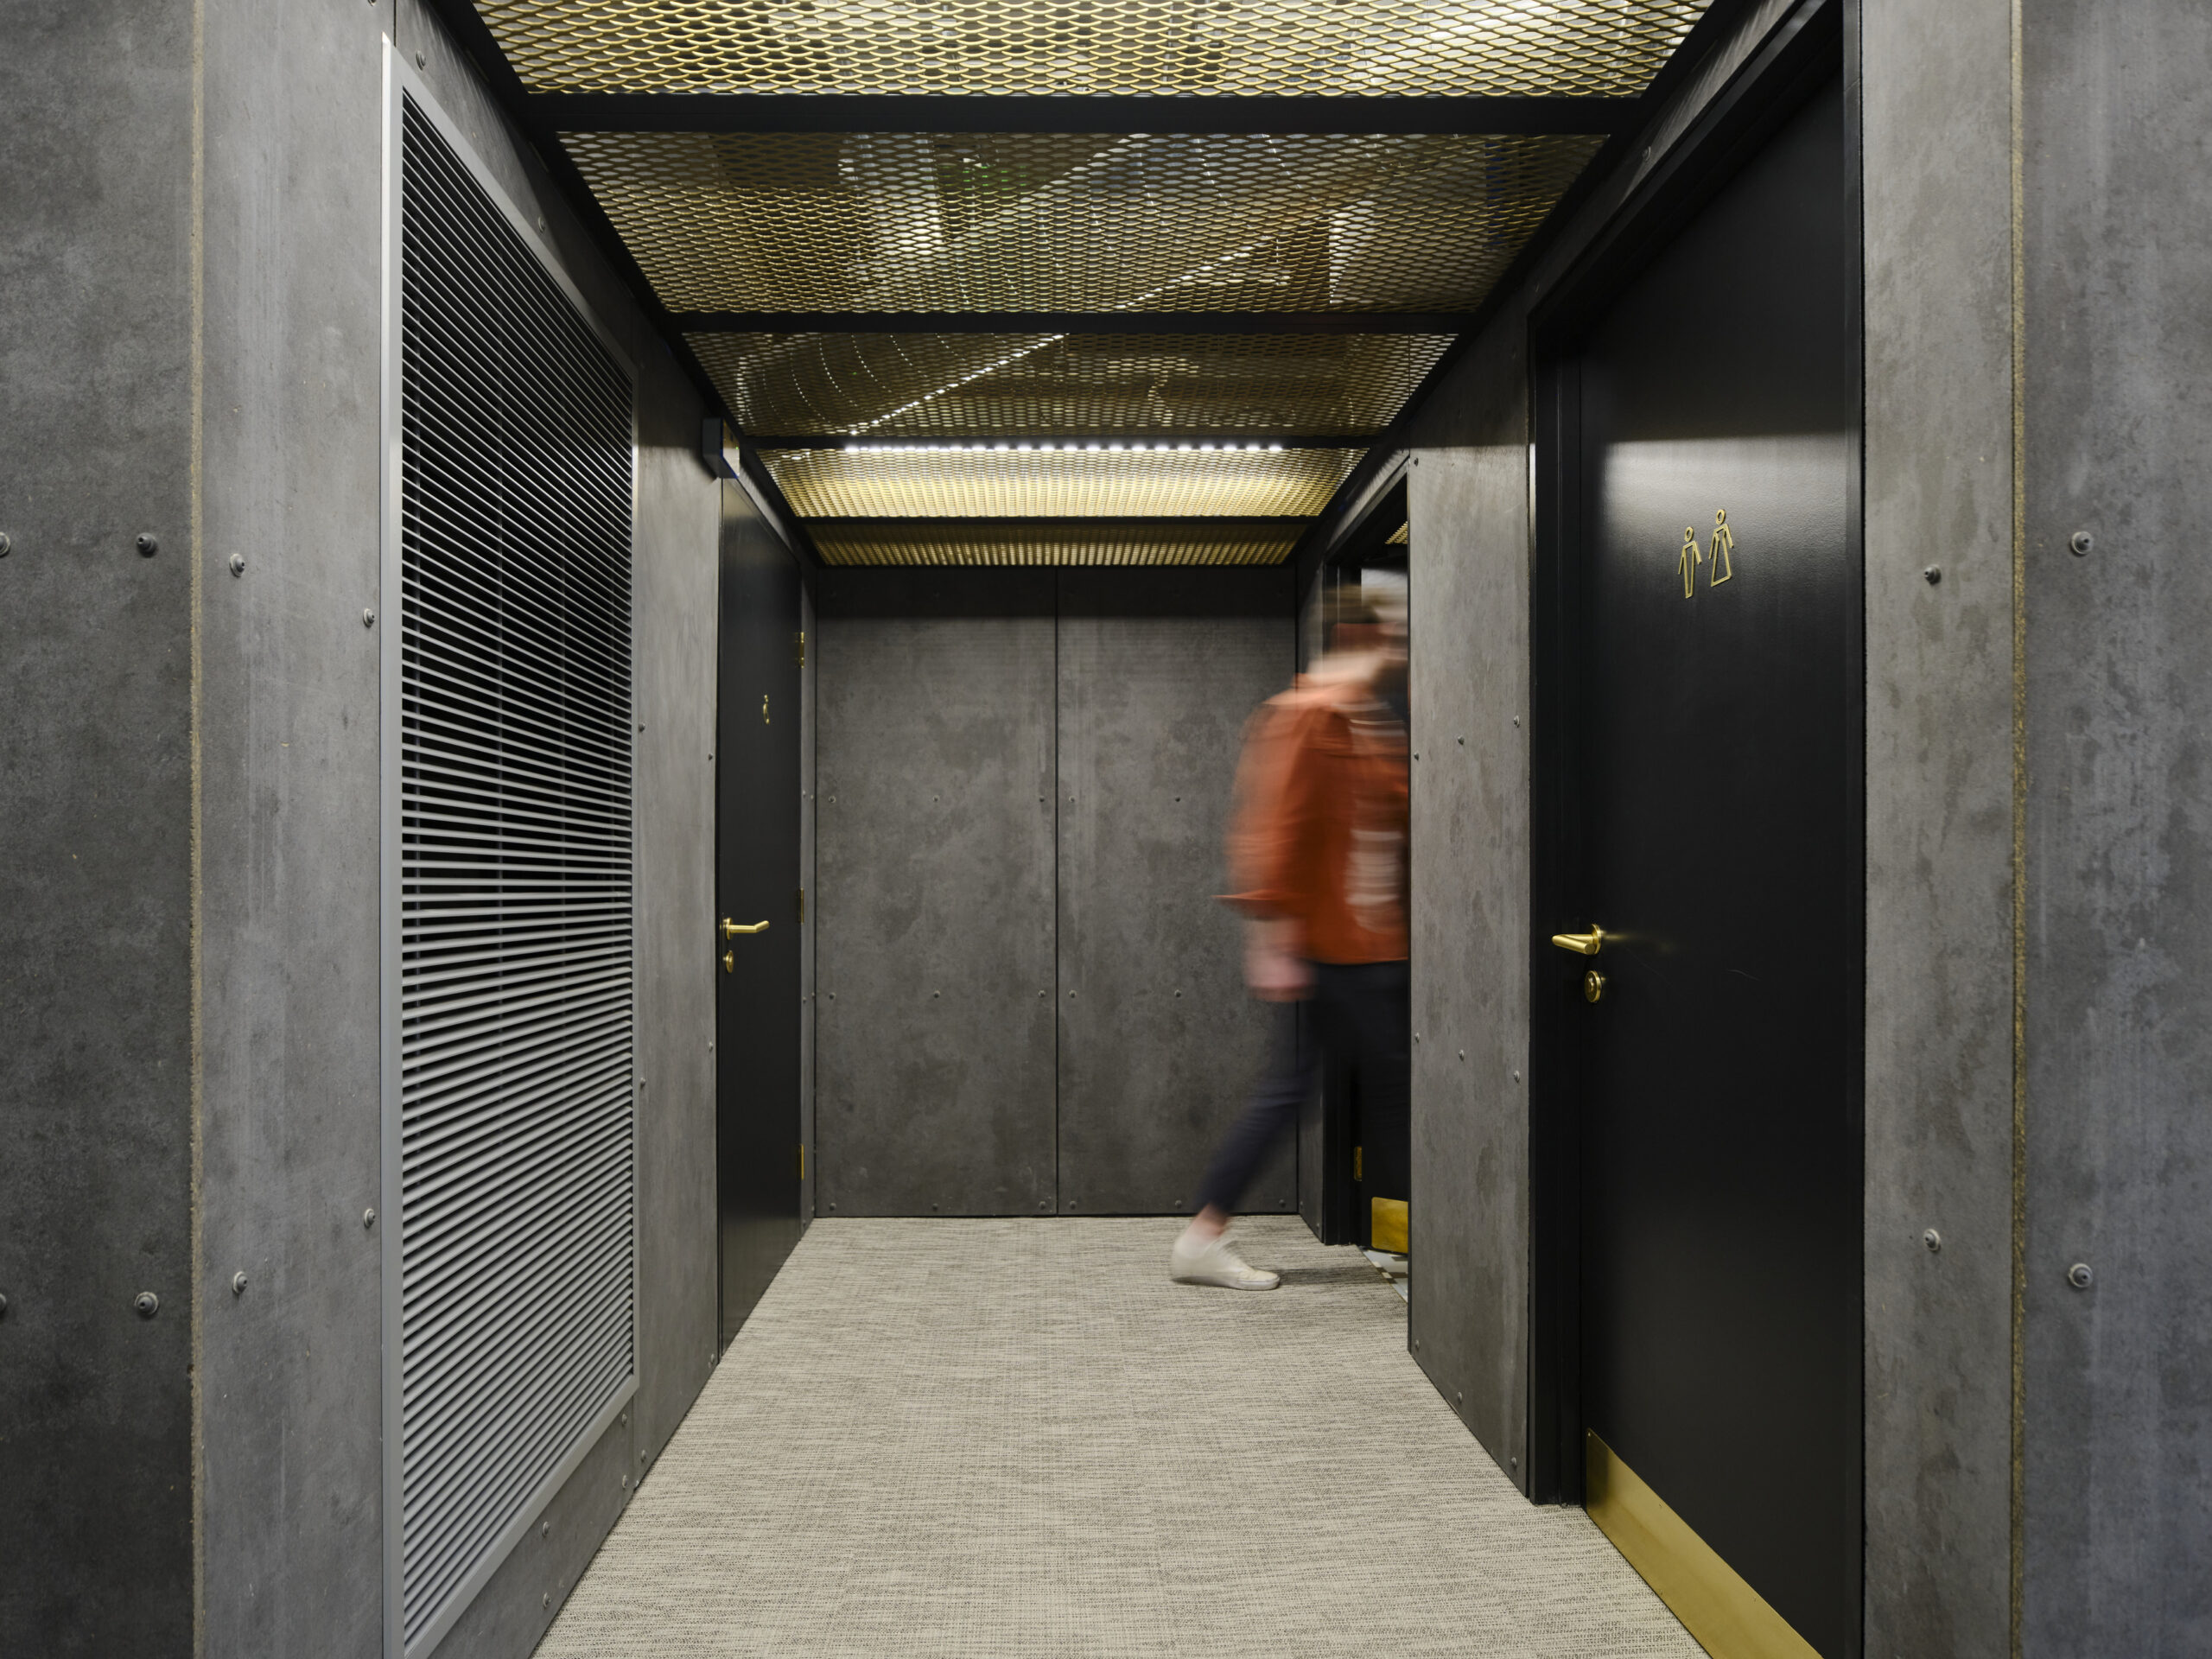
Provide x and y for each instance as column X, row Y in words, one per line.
column 1274, row 972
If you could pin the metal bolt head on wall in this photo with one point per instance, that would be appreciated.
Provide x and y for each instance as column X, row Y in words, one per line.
column 148, row 547
column 147, row 1304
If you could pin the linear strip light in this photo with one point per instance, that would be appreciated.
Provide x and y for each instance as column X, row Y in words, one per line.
column 1089, row 446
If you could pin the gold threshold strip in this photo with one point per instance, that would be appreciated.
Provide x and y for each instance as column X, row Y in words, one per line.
column 1729, row 1618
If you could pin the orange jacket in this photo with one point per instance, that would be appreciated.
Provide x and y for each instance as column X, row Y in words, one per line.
column 1318, row 834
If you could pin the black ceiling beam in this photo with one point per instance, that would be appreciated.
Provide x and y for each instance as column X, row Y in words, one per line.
column 902, row 112
column 1071, row 322
column 1144, row 442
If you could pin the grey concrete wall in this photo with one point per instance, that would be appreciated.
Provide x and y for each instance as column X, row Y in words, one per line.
column 290, row 1424
column 1936, row 118
column 934, row 1023
column 1159, row 1043
column 291, row 1413
column 2117, row 105
column 1468, row 613
column 96, row 901
column 809, row 723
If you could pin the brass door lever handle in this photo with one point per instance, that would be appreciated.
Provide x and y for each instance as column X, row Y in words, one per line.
column 731, row 930
column 1583, row 945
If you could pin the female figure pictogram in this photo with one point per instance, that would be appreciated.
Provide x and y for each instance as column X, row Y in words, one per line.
column 1724, row 541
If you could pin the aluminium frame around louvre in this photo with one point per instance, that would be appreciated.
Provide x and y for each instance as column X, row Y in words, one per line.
column 403, row 86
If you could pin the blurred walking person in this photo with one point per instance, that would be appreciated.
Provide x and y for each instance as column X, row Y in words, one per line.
column 1317, row 850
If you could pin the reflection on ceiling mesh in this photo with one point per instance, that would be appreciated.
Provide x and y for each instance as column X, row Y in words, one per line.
column 985, row 386
column 1089, row 542
column 1402, row 48
column 1075, row 222
column 1058, row 483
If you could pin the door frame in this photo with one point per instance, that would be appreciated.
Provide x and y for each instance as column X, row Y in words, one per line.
column 1816, row 41
column 1328, row 1196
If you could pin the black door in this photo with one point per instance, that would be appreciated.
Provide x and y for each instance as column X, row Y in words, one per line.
column 756, row 880
column 1717, row 764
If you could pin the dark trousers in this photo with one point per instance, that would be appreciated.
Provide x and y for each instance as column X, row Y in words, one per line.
column 1360, row 1017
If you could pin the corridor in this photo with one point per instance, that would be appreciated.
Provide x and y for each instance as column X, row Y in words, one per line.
column 1016, row 1437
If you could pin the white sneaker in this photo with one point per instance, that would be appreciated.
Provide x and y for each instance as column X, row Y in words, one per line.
column 1212, row 1262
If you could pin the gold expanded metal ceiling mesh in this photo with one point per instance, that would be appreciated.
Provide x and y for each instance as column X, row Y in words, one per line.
column 1092, row 542
column 1092, row 47
column 1075, row 222
column 986, row 385
column 1059, row 483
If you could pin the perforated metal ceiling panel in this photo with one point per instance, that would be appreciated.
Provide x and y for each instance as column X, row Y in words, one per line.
column 870, row 222
column 784, row 164
column 942, row 483
column 969, row 385
column 1084, row 542
column 1399, row 49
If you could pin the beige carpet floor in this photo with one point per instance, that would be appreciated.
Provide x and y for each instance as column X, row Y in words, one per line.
column 1016, row 1438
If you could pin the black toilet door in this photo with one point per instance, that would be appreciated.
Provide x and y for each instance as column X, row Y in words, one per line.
column 756, row 880
column 1716, row 765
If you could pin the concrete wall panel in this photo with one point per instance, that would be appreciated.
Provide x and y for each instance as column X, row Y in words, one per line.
column 809, row 723
column 2117, row 106
column 292, row 1410
column 1939, row 881
column 96, row 901
column 1158, row 1043
column 291, row 1422
column 935, row 1022
column 1468, row 510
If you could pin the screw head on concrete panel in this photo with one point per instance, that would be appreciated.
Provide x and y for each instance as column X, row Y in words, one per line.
column 1042, row 1204
column 1932, row 1240
column 545, row 1528
column 1463, row 1053
column 368, row 618
column 625, row 1420
column 422, row 61
column 626, row 1483
column 1516, row 720
column 2078, row 1275
column 1932, row 574
column 4, row 1307
column 148, row 547
column 833, row 1204
column 148, row 1303
column 546, row 1600
column 2081, row 540
column 6, row 545
column 237, row 1284
column 238, row 565
column 1516, row 1076
column 936, row 994
column 369, row 1216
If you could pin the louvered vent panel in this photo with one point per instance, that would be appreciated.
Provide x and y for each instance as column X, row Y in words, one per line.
column 516, row 1137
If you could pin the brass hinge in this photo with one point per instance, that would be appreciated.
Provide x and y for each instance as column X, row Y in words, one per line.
column 1356, row 1175
column 798, row 650
column 802, row 1160
column 802, row 906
